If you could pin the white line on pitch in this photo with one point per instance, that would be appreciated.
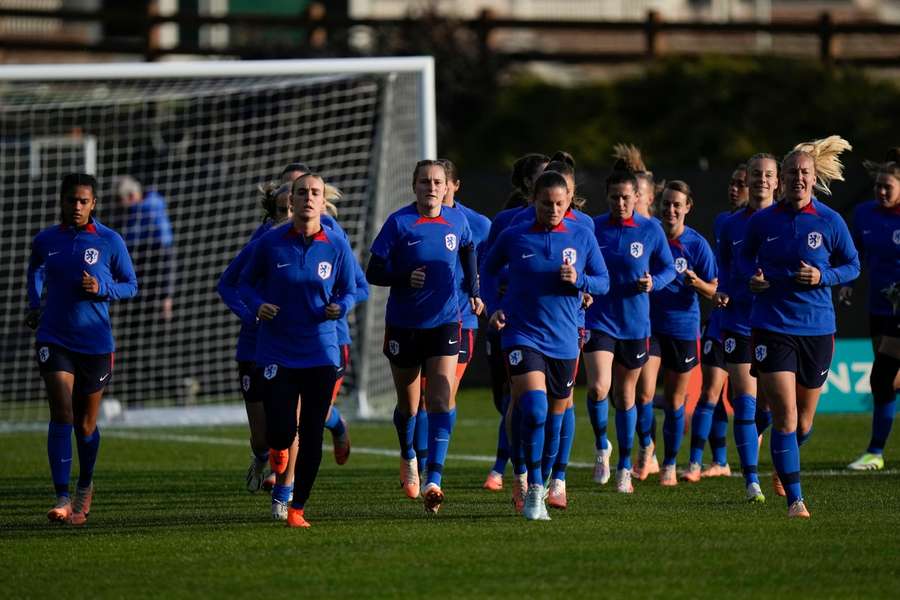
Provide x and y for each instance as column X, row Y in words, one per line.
column 219, row 441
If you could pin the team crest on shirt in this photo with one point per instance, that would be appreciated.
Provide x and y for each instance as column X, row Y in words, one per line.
column 245, row 383
column 44, row 354
column 394, row 347
column 814, row 240
column 91, row 256
column 761, row 352
column 515, row 357
column 271, row 371
column 896, row 237
column 324, row 270
column 637, row 249
column 450, row 241
column 570, row 255
column 730, row 345
column 707, row 346
column 681, row 264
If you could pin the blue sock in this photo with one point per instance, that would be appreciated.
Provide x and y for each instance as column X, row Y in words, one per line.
column 786, row 458
column 516, row 449
column 282, row 493
column 763, row 420
column 803, row 436
column 533, row 404
column 645, row 425
column 626, row 420
column 420, row 438
column 882, row 421
column 745, row 437
column 552, row 442
column 502, row 448
column 566, row 439
column 598, row 413
column 701, row 423
column 405, row 428
column 673, row 431
column 88, row 447
column 440, row 429
column 718, row 437
column 59, row 453
column 333, row 423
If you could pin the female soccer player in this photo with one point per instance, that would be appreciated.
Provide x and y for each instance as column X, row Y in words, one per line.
column 710, row 414
column 299, row 282
column 639, row 260
column 416, row 253
column 551, row 263
column 876, row 232
column 794, row 251
column 735, row 299
column 84, row 265
column 675, row 315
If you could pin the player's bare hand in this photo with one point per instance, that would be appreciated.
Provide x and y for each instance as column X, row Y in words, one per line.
column 267, row 312
column 645, row 283
column 758, row 282
column 333, row 311
column 808, row 274
column 89, row 283
column 477, row 305
column 586, row 300
column 498, row 320
column 568, row 274
column 720, row 299
column 417, row 278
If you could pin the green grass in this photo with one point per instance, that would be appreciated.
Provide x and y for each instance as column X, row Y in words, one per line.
column 171, row 519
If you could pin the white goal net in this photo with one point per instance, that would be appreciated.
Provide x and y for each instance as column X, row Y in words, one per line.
column 202, row 136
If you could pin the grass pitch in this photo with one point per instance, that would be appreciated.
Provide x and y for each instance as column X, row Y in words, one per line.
column 171, row 519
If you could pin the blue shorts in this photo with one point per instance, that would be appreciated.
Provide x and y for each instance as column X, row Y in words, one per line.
column 631, row 354
column 92, row 371
column 737, row 348
column 677, row 355
column 559, row 373
column 408, row 347
column 809, row 356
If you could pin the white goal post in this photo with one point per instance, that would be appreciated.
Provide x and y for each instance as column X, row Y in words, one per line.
column 201, row 135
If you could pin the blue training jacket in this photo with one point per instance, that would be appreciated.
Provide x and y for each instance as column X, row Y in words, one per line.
column 876, row 234
column 736, row 315
column 480, row 226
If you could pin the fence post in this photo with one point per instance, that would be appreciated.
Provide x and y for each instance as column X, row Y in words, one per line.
column 483, row 32
column 651, row 33
column 826, row 38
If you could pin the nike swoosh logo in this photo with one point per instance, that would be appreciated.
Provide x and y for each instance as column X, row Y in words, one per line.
column 772, row 239
column 104, row 378
column 66, row 460
column 52, row 253
column 867, row 231
column 737, row 242
column 641, row 355
column 570, row 383
column 690, row 359
column 779, row 451
column 283, row 265
column 452, row 341
column 823, row 372
column 414, row 243
column 528, row 255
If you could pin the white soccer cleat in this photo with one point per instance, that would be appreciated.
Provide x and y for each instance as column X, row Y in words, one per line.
column 623, row 481
column 556, row 498
column 668, row 477
column 535, row 509
column 867, row 462
column 601, row 464
column 754, row 494
column 797, row 510
column 256, row 473
column 519, row 490
column 279, row 510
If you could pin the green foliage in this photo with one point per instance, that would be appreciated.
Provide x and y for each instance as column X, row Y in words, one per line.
column 680, row 111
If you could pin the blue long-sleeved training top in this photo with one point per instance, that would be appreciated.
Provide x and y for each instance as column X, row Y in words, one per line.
column 631, row 248
column 73, row 318
column 713, row 325
column 778, row 238
column 675, row 308
column 736, row 314
column 408, row 241
column 480, row 226
column 300, row 277
column 360, row 295
column 876, row 234
column 490, row 287
column 541, row 310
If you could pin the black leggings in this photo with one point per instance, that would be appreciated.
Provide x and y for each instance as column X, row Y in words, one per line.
column 313, row 387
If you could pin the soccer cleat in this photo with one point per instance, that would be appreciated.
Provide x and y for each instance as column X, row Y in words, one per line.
column 754, row 494
column 716, row 470
column 409, row 477
column 520, row 488
column 269, row 482
column 81, row 506
column 494, row 482
column 278, row 460
column 668, row 477
column 601, row 464
column 776, row 485
column 279, row 510
column 867, row 462
column 535, row 510
column 797, row 510
column 646, row 462
column 341, row 445
column 294, row 518
column 434, row 497
column 623, row 481
column 556, row 498
column 62, row 511
column 693, row 473
column 256, row 474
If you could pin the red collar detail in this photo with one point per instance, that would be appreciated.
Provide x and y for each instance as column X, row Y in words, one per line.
column 570, row 215
column 629, row 222
column 89, row 228
column 784, row 206
column 319, row 236
column 894, row 210
column 676, row 242
column 438, row 219
column 538, row 228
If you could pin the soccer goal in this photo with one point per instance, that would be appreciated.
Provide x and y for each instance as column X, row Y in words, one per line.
column 202, row 135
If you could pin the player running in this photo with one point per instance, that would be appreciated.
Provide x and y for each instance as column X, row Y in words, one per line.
column 83, row 265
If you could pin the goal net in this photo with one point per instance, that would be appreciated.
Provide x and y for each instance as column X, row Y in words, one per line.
column 202, row 136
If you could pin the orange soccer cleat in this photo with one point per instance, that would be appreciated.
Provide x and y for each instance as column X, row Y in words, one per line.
column 62, row 511
column 409, row 477
column 798, row 510
column 434, row 497
column 81, row 506
column 693, row 473
column 494, row 482
column 295, row 518
column 669, row 476
column 717, row 470
column 342, row 445
column 278, row 460
column 647, row 464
